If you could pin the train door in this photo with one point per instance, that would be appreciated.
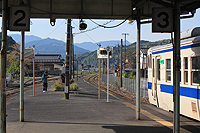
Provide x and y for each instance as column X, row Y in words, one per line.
column 156, row 78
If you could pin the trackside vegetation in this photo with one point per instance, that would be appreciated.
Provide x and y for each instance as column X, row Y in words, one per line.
column 58, row 86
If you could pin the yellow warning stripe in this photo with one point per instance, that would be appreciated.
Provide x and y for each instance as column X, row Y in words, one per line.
column 156, row 118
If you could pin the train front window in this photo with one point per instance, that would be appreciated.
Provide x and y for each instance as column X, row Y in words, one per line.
column 168, row 70
column 196, row 69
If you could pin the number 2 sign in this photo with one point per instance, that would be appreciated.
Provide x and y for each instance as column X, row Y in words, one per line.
column 162, row 20
column 19, row 19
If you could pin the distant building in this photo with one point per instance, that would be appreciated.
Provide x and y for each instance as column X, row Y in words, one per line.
column 51, row 62
column 79, row 66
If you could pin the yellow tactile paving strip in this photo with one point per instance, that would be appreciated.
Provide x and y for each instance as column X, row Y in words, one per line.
column 156, row 118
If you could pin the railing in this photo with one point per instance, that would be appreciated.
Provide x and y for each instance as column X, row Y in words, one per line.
column 127, row 83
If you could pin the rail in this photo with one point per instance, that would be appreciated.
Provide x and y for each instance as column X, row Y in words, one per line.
column 127, row 84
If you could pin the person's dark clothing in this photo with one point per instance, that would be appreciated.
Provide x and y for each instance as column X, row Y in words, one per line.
column 45, row 84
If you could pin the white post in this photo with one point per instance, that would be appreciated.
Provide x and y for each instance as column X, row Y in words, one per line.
column 108, row 50
column 22, row 77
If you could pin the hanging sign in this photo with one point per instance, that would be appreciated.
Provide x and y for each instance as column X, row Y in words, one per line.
column 19, row 19
column 162, row 20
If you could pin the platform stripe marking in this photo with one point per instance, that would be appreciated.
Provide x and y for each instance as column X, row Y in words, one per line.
column 156, row 118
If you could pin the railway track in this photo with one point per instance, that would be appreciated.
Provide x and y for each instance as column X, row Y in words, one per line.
column 15, row 86
column 93, row 79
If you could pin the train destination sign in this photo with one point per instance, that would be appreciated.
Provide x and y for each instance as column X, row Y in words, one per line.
column 19, row 19
column 162, row 20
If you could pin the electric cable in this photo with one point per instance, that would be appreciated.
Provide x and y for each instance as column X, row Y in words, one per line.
column 93, row 28
column 56, row 28
column 100, row 25
column 86, row 34
column 108, row 26
column 50, row 32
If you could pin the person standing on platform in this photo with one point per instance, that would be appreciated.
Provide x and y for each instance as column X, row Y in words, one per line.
column 44, row 79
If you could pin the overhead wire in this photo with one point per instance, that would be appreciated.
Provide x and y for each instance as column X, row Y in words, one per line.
column 85, row 33
column 100, row 25
column 93, row 28
column 109, row 26
column 56, row 28
column 51, row 31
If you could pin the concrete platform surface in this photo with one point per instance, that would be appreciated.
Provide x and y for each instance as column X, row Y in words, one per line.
column 49, row 112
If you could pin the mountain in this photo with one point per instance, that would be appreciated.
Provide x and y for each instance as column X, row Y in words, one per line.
column 49, row 46
column 28, row 38
column 91, row 58
column 10, row 43
column 93, row 46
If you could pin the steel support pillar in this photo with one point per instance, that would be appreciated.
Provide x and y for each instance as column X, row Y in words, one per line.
column 67, row 66
column 176, row 64
column 3, row 54
column 22, row 77
column 138, row 67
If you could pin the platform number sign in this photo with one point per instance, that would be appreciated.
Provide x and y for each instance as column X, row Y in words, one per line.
column 19, row 19
column 162, row 20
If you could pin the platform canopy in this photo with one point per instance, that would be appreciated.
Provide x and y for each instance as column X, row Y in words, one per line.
column 98, row 9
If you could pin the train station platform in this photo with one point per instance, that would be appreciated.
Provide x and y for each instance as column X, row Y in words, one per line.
column 49, row 112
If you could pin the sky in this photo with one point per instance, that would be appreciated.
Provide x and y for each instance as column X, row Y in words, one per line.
column 43, row 29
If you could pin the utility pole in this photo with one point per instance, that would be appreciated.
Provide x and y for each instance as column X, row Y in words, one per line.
column 121, row 64
column 125, row 46
column 77, row 71
column 67, row 66
column 72, row 39
column 70, row 52
column 118, row 56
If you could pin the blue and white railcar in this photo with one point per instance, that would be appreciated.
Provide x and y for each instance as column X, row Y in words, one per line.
column 160, row 75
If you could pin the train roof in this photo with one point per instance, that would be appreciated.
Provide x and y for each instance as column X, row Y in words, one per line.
column 191, row 35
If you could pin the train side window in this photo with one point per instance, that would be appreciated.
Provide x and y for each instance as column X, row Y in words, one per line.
column 196, row 69
column 168, row 70
column 158, row 67
column 186, row 69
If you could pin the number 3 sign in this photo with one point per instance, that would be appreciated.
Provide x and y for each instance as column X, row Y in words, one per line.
column 19, row 19
column 162, row 20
